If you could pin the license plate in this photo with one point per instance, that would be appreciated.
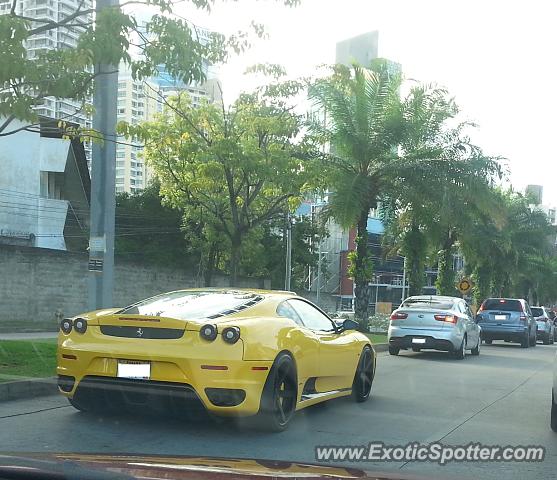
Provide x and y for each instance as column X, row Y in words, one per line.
column 500, row 317
column 135, row 370
column 418, row 340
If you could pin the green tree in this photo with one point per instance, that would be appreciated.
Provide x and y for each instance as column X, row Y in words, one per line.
column 515, row 257
column 267, row 255
column 362, row 128
column 148, row 231
column 384, row 148
column 166, row 39
column 236, row 167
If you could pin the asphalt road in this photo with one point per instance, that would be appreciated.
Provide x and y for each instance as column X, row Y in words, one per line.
column 501, row 398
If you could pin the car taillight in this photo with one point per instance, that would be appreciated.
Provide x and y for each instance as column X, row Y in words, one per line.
column 398, row 316
column 446, row 318
column 523, row 318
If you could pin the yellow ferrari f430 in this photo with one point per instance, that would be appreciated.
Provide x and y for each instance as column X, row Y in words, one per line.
column 230, row 352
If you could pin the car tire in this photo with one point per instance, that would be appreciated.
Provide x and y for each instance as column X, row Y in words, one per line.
column 278, row 401
column 553, row 413
column 525, row 342
column 533, row 341
column 488, row 342
column 460, row 353
column 476, row 350
column 546, row 340
column 393, row 350
column 78, row 406
column 363, row 378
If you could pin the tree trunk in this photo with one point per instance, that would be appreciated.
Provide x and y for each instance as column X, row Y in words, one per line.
column 482, row 280
column 211, row 264
column 414, row 250
column 445, row 283
column 235, row 248
column 362, row 273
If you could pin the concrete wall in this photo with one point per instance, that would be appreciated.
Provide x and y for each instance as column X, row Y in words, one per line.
column 39, row 286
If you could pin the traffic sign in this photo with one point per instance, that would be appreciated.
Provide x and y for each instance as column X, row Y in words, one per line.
column 465, row 285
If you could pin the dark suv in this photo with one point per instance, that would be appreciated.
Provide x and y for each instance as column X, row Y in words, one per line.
column 508, row 319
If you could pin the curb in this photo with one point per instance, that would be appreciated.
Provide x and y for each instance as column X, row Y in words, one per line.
column 20, row 389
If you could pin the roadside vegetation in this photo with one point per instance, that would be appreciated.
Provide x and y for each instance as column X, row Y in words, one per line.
column 21, row 359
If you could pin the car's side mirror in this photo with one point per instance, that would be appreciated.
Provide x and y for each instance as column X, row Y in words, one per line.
column 349, row 324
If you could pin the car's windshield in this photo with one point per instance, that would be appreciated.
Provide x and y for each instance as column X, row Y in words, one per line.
column 262, row 239
column 193, row 305
column 537, row 311
column 420, row 303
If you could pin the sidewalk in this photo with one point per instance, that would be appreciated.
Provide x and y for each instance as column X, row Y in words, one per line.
column 28, row 336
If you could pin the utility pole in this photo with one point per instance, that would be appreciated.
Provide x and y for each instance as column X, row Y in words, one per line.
column 318, row 292
column 103, row 201
column 403, row 281
column 288, row 276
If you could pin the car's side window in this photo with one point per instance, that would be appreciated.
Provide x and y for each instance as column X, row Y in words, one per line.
column 311, row 316
column 286, row 310
column 467, row 311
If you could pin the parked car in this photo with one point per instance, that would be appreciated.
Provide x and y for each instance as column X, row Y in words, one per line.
column 507, row 319
column 544, row 325
column 434, row 322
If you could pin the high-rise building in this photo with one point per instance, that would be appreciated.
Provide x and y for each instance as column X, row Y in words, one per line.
column 140, row 101
column 54, row 39
column 535, row 193
column 361, row 49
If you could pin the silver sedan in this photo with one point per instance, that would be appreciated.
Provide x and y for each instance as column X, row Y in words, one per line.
column 434, row 322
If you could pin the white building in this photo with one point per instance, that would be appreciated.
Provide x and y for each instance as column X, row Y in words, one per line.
column 44, row 190
column 54, row 39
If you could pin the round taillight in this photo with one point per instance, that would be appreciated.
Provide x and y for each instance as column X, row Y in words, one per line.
column 231, row 334
column 66, row 325
column 208, row 332
column 80, row 325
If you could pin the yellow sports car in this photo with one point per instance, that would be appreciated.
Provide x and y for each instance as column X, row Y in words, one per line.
column 232, row 352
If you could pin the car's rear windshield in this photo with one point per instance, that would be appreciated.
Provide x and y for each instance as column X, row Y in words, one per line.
column 537, row 311
column 503, row 305
column 193, row 305
column 427, row 303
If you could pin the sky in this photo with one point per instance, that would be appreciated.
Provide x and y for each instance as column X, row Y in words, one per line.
column 497, row 58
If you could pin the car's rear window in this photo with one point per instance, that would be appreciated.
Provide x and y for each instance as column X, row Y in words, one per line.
column 502, row 305
column 427, row 303
column 537, row 311
column 190, row 305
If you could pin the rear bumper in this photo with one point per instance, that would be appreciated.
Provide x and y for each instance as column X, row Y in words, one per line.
column 234, row 390
column 446, row 339
column 500, row 332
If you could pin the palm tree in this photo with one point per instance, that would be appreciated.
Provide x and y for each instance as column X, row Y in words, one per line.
column 383, row 147
column 363, row 129
column 515, row 258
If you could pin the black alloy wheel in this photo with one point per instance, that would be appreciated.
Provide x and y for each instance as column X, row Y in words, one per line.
column 363, row 379
column 278, row 402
